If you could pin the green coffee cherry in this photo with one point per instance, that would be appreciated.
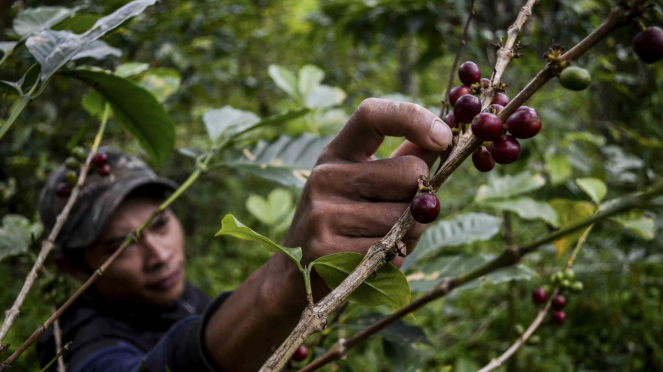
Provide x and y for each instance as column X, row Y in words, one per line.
column 79, row 153
column 565, row 283
column 72, row 178
column 577, row 287
column 575, row 78
column 72, row 163
column 557, row 277
column 569, row 274
column 518, row 329
column 534, row 340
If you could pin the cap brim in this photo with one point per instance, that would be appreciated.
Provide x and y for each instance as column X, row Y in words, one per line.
column 95, row 219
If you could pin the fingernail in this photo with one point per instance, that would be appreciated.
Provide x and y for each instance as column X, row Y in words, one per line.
column 441, row 134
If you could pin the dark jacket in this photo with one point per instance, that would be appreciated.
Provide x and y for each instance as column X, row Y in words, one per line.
column 119, row 336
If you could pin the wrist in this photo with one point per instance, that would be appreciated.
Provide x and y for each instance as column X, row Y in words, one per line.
column 282, row 292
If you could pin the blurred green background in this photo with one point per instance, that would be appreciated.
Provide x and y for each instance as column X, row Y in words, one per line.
column 209, row 54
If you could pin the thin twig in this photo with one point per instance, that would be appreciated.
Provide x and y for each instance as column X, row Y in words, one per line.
column 57, row 357
column 48, row 244
column 57, row 334
column 445, row 103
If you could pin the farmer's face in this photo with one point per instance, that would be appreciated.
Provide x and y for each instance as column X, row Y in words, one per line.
column 149, row 271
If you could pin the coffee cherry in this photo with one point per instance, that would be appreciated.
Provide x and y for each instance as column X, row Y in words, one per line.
column 100, row 159
column 534, row 340
column 300, row 354
column 72, row 163
column 565, row 283
column 104, row 170
column 469, row 73
column 425, row 207
column 495, row 108
column 485, row 82
column 488, row 128
column 575, row 78
column 501, row 99
column 62, row 190
column 518, row 329
column 558, row 302
column 482, row 160
column 556, row 277
column 466, row 108
column 648, row 45
column 569, row 274
column 79, row 153
column 539, row 295
column 505, row 150
column 72, row 178
column 559, row 317
column 451, row 120
column 524, row 123
column 457, row 92
column 577, row 287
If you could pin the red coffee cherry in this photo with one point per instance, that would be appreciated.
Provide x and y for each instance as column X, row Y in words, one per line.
column 62, row 190
column 104, row 170
column 482, row 160
column 466, row 108
column 488, row 128
column 539, row 295
column 451, row 120
column 425, row 207
column 485, row 82
column 524, row 123
column 558, row 302
column 456, row 92
column 559, row 317
column 495, row 108
column 469, row 73
column 501, row 99
column 300, row 354
column 505, row 150
column 648, row 45
column 100, row 159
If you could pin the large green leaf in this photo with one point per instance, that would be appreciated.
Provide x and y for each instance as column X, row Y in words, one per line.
column 639, row 223
column 272, row 210
column 570, row 211
column 558, row 166
column 217, row 121
column 161, row 82
column 55, row 48
column 526, row 208
column 434, row 271
column 284, row 79
column 594, row 187
column 387, row 286
column 287, row 160
column 463, row 229
column 136, row 109
column 310, row 77
column 231, row 226
column 16, row 233
column 508, row 186
column 78, row 23
column 31, row 20
column 131, row 69
column 324, row 96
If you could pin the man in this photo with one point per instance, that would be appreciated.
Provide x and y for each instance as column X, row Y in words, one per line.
column 142, row 311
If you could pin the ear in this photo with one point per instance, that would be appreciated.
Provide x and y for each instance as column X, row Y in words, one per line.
column 65, row 266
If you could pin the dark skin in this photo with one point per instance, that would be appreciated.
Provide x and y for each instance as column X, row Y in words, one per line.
column 349, row 202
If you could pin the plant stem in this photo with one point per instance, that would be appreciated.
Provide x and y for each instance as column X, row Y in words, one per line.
column 57, row 357
column 22, row 104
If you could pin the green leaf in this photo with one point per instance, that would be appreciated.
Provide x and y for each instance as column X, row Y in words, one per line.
column 218, row 121
column 16, row 233
column 284, row 79
column 508, row 186
column 570, row 211
column 136, row 109
column 98, row 49
column 586, row 137
column 558, row 166
column 526, row 208
column 638, row 223
column 272, row 210
column 78, row 23
column 434, row 271
column 32, row 20
column 287, row 160
column 324, row 96
column 310, row 77
column 231, row 226
column 161, row 82
column 93, row 103
column 387, row 286
column 594, row 187
column 461, row 230
column 55, row 48
column 131, row 69
column 7, row 46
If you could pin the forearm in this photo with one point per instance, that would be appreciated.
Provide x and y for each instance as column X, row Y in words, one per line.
column 257, row 317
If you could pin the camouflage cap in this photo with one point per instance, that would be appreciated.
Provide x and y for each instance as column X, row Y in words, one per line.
column 99, row 197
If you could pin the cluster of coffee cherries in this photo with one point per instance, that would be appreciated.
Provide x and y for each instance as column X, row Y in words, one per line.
column 73, row 163
column 499, row 147
column 425, row 206
column 564, row 280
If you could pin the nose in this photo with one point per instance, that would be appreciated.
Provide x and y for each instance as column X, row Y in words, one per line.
column 157, row 251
